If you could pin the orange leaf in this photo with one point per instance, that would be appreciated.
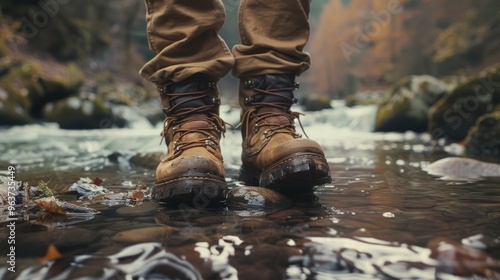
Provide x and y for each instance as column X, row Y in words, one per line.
column 52, row 254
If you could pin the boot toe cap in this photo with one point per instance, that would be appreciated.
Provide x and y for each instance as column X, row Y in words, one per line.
column 191, row 166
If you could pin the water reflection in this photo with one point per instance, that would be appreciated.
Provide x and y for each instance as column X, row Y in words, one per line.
column 383, row 217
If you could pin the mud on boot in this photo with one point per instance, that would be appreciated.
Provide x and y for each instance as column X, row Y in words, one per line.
column 274, row 154
column 192, row 172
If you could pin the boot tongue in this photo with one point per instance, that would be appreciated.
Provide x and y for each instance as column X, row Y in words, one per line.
column 193, row 122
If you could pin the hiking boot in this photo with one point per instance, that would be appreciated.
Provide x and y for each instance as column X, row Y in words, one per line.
column 192, row 171
column 274, row 155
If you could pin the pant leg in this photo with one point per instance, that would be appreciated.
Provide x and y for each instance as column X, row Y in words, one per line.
column 184, row 36
column 273, row 35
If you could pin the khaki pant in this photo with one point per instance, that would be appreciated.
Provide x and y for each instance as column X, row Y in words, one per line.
column 184, row 36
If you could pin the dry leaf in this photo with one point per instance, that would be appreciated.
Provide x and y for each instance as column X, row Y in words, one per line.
column 52, row 254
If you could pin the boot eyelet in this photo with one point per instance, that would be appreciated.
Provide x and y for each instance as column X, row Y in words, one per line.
column 256, row 128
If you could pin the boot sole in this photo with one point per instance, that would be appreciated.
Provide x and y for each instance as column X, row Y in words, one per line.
column 197, row 191
column 292, row 175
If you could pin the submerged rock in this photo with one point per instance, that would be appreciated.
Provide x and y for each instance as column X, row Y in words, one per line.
column 461, row 260
column 148, row 234
column 409, row 103
column 483, row 140
column 454, row 115
column 456, row 168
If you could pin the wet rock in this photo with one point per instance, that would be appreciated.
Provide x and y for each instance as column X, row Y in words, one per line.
column 251, row 224
column 212, row 220
column 366, row 98
column 315, row 102
column 44, row 81
column 148, row 234
column 13, row 110
column 320, row 223
column 457, row 168
column 287, row 214
column 483, row 140
column 461, row 260
column 455, row 114
column 87, row 111
column 145, row 209
column 147, row 160
column 409, row 103
column 55, row 84
column 245, row 197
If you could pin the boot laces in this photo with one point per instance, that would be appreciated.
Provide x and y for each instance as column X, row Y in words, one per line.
column 178, row 118
column 282, row 110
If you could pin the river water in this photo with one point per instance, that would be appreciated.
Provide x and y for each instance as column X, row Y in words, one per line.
column 383, row 217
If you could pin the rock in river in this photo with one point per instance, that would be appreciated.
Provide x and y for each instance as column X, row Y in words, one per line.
column 453, row 116
column 408, row 106
column 245, row 197
column 456, row 168
column 148, row 234
column 483, row 140
column 85, row 112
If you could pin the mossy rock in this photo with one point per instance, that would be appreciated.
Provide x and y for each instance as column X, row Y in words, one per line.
column 61, row 85
column 14, row 103
column 408, row 104
column 147, row 160
column 83, row 112
column 366, row 98
column 483, row 140
column 11, row 112
column 45, row 86
column 454, row 115
column 40, row 84
column 316, row 103
column 115, row 94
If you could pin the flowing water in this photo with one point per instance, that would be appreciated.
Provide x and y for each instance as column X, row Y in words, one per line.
column 383, row 217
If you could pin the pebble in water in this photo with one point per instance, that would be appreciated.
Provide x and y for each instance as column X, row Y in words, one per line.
column 148, row 234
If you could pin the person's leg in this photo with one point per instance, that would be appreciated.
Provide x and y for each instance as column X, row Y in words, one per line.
column 273, row 35
column 190, row 59
column 184, row 36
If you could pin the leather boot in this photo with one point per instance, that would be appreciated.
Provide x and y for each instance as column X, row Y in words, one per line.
column 192, row 171
column 274, row 154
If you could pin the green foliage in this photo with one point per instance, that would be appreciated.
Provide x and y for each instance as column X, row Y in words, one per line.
column 44, row 188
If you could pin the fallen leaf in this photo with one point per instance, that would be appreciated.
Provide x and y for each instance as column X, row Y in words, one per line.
column 52, row 254
column 52, row 205
column 97, row 181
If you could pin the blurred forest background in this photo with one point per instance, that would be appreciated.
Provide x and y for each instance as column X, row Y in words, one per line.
column 57, row 55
